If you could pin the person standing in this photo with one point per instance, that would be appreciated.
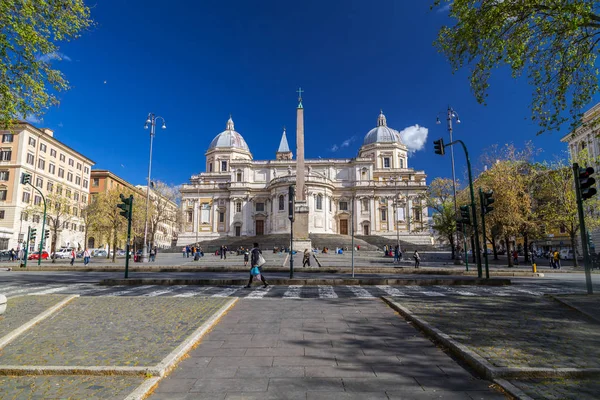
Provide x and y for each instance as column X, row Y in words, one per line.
column 152, row 253
column 86, row 256
column 306, row 258
column 417, row 258
column 254, row 256
column 246, row 256
column 221, row 252
column 556, row 257
column 225, row 249
column 73, row 255
column 183, row 251
column 396, row 254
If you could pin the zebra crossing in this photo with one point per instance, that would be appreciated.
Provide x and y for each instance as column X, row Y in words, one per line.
column 286, row 292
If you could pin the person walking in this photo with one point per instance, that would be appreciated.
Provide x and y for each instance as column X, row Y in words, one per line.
column 246, row 256
column 152, row 253
column 417, row 259
column 73, row 255
column 396, row 254
column 221, row 252
column 225, row 249
column 86, row 256
column 556, row 258
column 306, row 258
column 183, row 251
column 255, row 254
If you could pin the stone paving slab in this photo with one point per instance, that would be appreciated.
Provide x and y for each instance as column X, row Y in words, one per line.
column 515, row 332
column 111, row 331
column 563, row 389
column 68, row 387
column 20, row 310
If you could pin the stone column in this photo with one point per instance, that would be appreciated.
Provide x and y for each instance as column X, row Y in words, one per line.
column 301, row 239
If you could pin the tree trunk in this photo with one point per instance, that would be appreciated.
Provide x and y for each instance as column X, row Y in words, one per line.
column 452, row 245
column 574, row 247
column 508, row 252
column 114, row 246
column 526, row 247
column 53, row 245
column 494, row 248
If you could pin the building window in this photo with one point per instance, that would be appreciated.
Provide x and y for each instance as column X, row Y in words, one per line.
column 223, row 165
column 32, row 141
column 49, row 186
column 319, row 205
column 281, row 203
column 37, row 200
column 7, row 138
column 221, row 216
column 52, row 153
column 4, row 244
column 95, row 182
column 343, row 206
column 239, row 176
column 26, row 197
column 71, row 162
column 74, row 227
column 41, row 164
column 365, row 204
column 209, row 167
column 5, row 155
column 52, row 168
column 386, row 162
column 1, row 214
column 77, row 180
column 65, row 225
column 39, row 182
column 86, row 170
column 260, row 207
column 81, row 228
column 69, row 176
column 75, row 211
column 417, row 213
column 384, row 214
column 84, row 198
column 3, row 193
column 79, row 166
column 59, row 190
column 68, row 194
column 24, row 216
column 330, row 208
column 402, row 163
column 36, row 219
column 76, row 196
column 4, row 175
column 62, row 158
column 42, row 147
column 30, row 159
column 190, row 216
column 61, row 173
column 85, row 183
column 238, row 207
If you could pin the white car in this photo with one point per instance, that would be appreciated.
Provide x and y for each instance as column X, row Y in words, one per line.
column 64, row 252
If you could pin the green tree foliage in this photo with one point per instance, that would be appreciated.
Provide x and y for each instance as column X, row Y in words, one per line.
column 161, row 210
column 555, row 42
column 439, row 199
column 29, row 33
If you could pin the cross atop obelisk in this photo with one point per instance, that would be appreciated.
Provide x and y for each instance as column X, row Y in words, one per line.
column 300, row 148
column 299, row 91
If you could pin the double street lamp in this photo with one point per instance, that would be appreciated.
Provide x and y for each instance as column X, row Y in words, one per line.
column 150, row 122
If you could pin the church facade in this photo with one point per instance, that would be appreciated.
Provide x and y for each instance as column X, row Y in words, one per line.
column 240, row 196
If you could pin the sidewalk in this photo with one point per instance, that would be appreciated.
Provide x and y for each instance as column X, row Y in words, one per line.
column 318, row 349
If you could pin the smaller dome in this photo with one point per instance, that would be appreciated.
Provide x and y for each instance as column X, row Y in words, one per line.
column 382, row 133
column 229, row 138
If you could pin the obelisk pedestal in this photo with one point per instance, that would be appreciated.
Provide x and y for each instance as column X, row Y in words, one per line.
column 301, row 240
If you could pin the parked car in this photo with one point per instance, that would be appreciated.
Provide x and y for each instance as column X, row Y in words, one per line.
column 99, row 253
column 36, row 255
column 64, row 252
column 566, row 254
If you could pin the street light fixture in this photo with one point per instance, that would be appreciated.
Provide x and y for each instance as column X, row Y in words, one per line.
column 150, row 122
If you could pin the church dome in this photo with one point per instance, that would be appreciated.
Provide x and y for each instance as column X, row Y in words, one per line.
column 382, row 133
column 229, row 138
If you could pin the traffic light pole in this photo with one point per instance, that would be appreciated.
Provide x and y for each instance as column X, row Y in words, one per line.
column 473, row 208
column 127, row 246
column 26, row 248
column 582, row 230
column 43, row 227
column 485, row 254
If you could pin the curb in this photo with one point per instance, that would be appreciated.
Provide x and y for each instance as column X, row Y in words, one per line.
column 512, row 389
column 19, row 370
column 309, row 282
column 142, row 391
column 576, row 308
column 6, row 339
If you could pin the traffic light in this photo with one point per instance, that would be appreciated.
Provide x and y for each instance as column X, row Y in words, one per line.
column 487, row 200
column 465, row 215
column 126, row 204
column 291, row 202
column 586, row 182
column 460, row 227
column 438, row 147
column 25, row 178
column 32, row 234
column 46, row 234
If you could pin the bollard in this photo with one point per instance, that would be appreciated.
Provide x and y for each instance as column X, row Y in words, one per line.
column 534, row 268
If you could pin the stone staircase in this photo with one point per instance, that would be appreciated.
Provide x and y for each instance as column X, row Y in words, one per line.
column 332, row 241
column 380, row 241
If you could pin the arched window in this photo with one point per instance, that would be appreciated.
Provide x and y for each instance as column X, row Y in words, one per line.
column 401, row 162
column 363, row 174
column 238, row 176
column 238, row 206
column 281, row 203
column 319, row 205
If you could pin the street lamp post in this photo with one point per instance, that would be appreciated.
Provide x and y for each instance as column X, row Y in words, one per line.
column 150, row 121
column 450, row 114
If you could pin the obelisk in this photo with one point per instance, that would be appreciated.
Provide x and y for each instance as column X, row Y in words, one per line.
column 301, row 239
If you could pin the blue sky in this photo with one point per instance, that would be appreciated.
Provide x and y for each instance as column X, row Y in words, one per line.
column 195, row 62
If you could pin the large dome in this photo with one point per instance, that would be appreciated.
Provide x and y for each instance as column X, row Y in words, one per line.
column 229, row 138
column 382, row 133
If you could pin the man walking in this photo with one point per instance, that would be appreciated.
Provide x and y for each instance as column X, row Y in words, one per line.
column 86, row 257
column 417, row 258
column 255, row 254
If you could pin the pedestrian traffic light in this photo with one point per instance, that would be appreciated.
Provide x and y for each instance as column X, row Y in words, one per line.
column 291, row 202
column 32, row 234
column 46, row 234
column 126, row 206
column 465, row 215
column 586, row 182
column 487, row 199
column 438, row 147
column 25, row 178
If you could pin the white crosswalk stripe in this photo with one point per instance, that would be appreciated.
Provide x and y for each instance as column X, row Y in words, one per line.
column 327, row 292
column 163, row 291
column 293, row 292
column 391, row 291
column 454, row 290
column 135, row 289
column 196, row 291
column 50, row 291
column 259, row 293
column 226, row 292
column 360, row 292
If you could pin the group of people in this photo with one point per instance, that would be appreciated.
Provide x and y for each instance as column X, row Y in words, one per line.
column 195, row 251
column 396, row 252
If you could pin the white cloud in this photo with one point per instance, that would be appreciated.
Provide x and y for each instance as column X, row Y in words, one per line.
column 32, row 119
column 445, row 8
column 54, row 56
column 60, row 125
column 414, row 137
column 345, row 143
column 334, row 148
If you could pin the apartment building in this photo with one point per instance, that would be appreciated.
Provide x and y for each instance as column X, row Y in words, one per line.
column 56, row 170
column 165, row 212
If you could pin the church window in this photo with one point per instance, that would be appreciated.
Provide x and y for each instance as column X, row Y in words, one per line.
column 209, row 167
column 238, row 207
column 260, row 207
column 417, row 213
column 221, row 216
column 223, row 166
column 384, row 214
column 364, row 173
column 386, row 162
column 330, row 208
column 238, row 176
column 365, row 204
column 319, row 205
column 190, row 216
column 343, row 206
column 281, row 203
column 402, row 163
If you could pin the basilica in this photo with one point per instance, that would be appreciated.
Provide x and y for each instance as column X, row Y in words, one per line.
column 241, row 196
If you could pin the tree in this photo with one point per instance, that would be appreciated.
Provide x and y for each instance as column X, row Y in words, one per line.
column 555, row 42
column 162, row 208
column 29, row 35
column 58, row 215
column 439, row 199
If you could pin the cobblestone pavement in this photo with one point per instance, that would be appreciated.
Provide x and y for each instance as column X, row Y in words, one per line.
column 111, row 331
column 515, row 331
column 318, row 349
column 560, row 389
column 67, row 387
column 324, row 292
column 20, row 310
